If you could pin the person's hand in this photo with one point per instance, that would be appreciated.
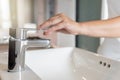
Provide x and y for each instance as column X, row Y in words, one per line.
column 60, row 23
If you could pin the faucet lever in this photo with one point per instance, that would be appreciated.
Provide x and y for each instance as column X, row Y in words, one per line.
column 20, row 33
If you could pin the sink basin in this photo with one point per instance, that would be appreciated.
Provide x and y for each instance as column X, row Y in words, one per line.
column 72, row 64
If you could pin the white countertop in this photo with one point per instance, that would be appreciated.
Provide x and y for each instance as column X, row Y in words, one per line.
column 28, row 74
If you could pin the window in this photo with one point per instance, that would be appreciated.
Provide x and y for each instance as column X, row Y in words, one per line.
column 14, row 13
column 5, row 14
column 5, row 22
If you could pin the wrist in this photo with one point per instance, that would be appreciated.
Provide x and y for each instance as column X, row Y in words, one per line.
column 82, row 29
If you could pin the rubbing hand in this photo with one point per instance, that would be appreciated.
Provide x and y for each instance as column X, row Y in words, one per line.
column 60, row 23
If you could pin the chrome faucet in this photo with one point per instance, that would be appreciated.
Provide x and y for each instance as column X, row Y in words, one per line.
column 18, row 43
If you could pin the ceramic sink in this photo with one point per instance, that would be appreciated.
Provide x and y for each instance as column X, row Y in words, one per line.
column 72, row 64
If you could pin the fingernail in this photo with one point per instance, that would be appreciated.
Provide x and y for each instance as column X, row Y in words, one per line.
column 47, row 33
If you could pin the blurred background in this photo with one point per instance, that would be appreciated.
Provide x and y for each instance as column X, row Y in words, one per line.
column 31, row 13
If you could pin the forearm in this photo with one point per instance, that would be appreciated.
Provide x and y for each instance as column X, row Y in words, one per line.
column 101, row 28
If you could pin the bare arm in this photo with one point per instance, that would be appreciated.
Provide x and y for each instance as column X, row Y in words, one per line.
column 100, row 28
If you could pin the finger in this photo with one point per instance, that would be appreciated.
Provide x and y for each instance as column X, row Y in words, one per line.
column 63, row 31
column 52, row 21
column 54, row 28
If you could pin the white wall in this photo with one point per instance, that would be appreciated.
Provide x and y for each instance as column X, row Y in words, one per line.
column 24, row 12
column 104, row 14
column 39, row 11
column 67, row 7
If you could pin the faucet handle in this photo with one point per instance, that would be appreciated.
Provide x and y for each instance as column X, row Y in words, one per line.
column 23, row 32
column 20, row 33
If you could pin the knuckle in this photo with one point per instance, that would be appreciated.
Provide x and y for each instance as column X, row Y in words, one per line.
column 50, row 22
column 65, row 21
column 61, row 15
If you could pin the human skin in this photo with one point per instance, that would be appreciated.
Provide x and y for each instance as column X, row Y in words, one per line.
column 97, row 28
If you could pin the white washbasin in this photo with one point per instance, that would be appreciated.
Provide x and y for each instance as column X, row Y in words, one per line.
column 72, row 64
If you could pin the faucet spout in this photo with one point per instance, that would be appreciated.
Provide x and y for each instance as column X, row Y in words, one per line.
column 17, row 48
